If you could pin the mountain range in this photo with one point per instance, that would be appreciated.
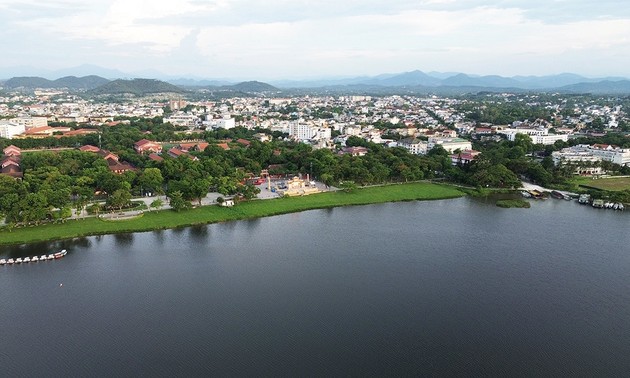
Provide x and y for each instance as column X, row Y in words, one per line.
column 406, row 82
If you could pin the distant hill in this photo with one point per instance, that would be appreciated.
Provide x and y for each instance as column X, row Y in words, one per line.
column 602, row 87
column 28, row 82
column 70, row 82
column 252, row 86
column 138, row 87
column 85, row 82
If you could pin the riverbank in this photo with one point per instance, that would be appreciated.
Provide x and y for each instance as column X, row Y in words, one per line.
column 165, row 219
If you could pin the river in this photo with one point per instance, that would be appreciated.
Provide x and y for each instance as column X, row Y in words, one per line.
column 453, row 287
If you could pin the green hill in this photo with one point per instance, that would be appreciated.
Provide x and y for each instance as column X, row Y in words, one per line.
column 138, row 87
column 85, row 82
column 252, row 86
column 29, row 82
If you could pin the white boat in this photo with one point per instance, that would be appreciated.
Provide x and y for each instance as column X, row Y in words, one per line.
column 60, row 254
column 50, row 257
column 18, row 260
column 34, row 258
column 3, row 261
column 26, row 259
column 10, row 261
column 42, row 257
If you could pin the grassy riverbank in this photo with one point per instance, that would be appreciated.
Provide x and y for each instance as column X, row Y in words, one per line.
column 165, row 219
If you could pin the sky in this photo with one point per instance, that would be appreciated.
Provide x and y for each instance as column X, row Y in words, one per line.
column 308, row 39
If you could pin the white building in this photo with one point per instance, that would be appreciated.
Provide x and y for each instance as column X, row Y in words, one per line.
column 414, row 146
column 449, row 144
column 594, row 153
column 9, row 129
column 31, row 122
column 225, row 123
column 182, row 120
column 538, row 135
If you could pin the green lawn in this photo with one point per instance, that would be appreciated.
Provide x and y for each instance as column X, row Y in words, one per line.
column 212, row 214
column 611, row 183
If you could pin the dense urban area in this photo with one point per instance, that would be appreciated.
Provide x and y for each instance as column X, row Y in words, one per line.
column 66, row 153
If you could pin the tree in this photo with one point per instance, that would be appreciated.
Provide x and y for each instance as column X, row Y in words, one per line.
column 178, row 202
column 156, row 204
column 119, row 199
column 151, row 180
column 348, row 186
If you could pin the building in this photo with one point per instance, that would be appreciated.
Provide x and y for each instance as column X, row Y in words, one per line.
column 464, row 157
column 31, row 122
column 449, row 144
column 414, row 145
column 145, row 145
column 225, row 123
column 538, row 135
column 10, row 129
column 587, row 154
column 182, row 120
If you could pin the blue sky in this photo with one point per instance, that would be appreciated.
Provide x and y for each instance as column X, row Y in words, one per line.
column 299, row 39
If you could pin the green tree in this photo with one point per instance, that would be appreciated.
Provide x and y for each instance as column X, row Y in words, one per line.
column 177, row 201
column 119, row 199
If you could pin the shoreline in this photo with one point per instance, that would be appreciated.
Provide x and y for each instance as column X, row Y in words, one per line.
column 168, row 219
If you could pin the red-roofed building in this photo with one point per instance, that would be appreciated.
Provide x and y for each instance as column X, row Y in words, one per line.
column 243, row 142
column 464, row 157
column 120, row 167
column 354, row 151
column 145, row 145
column 224, row 146
column 12, row 151
column 10, row 166
column 80, row 132
column 89, row 148
column 155, row 157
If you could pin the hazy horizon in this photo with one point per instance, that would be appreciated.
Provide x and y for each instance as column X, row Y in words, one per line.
column 300, row 40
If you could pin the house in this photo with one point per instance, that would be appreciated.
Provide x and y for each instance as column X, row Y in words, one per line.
column 464, row 157
column 80, row 132
column 12, row 151
column 187, row 147
column 414, row 146
column 354, row 151
column 155, row 157
column 10, row 166
column 145, row 145
column 89, row 148
column 176, row 152
column 243, row 142
column 120, row 167
column 224, row 146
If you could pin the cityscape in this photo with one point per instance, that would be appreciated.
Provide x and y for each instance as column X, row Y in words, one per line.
column 238, row 188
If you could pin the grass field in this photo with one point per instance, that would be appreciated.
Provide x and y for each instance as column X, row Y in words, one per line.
column 211, row 214
column 611, row 183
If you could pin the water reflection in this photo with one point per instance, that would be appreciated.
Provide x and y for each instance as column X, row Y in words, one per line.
column 41, row 248
column 200, row 232
column 123, row 240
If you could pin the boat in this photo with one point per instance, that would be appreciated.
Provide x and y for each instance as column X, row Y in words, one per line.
column 584, row 199
column 598, row 203
column 557, row 194
column 526, row 194
column 19, row 260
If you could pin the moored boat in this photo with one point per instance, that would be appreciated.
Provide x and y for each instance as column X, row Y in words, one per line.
column 557, row 194
column 50, row 257
column 18, row 260
column 34, row 258
column 42, row 257
column 60, row 254
column 3, row 261
column 26, row 259
column 10, row 261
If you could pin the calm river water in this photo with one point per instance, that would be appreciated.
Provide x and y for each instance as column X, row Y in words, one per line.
column 455, row 287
